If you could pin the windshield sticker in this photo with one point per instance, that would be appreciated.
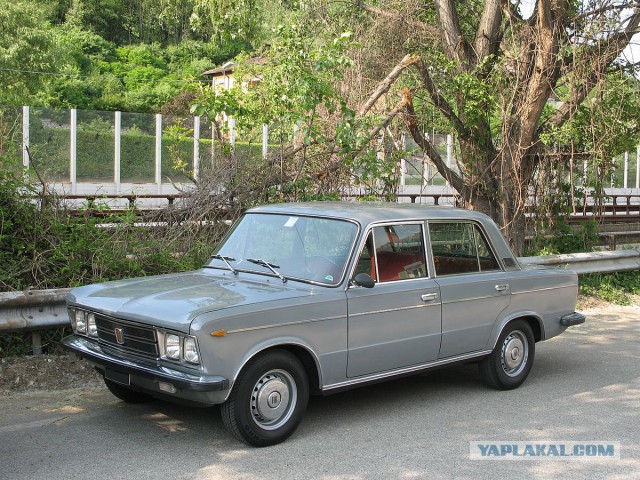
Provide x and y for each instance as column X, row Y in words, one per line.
column 291, row 222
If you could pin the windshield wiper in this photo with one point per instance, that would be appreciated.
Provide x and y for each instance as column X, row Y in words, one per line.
column 270, row 266
column 226, row 260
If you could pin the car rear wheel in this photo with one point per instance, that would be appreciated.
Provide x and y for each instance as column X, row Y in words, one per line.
column 126, row 394
column 268, row 400
column 512, row 358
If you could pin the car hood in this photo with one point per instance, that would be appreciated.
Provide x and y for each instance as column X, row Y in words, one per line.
column 173, row 301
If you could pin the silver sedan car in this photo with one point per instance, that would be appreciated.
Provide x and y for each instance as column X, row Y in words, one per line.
column 314, row 298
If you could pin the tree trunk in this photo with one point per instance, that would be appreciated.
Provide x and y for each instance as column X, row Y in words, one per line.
column 512, row 223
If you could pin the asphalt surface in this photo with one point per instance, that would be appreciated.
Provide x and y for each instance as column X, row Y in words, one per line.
column 585, row 386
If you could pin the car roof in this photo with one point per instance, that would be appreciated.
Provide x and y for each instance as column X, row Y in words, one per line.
column 371, row 212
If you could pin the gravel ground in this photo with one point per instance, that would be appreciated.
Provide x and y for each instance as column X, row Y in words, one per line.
column 46, row 372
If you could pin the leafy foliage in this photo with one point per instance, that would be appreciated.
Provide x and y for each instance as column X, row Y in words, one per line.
column 560, row 237
column 42, row 246
column 612, row 287
column 16, row 344
column 128, row 55
column 26, row 40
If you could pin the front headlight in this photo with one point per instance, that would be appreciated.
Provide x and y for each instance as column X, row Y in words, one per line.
column 81, row 321
column 178, row 347
column 191, row 350
column 92, row 329
column 172, row 346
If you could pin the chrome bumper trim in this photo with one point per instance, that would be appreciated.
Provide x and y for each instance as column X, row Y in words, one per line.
column 92, row 352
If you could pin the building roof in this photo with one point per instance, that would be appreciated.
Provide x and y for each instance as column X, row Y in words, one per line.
column 229, row 67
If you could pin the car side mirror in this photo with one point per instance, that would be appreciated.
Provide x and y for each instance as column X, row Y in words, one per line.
column 363, row 280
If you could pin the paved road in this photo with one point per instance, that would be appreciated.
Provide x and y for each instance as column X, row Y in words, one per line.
column 585, row 385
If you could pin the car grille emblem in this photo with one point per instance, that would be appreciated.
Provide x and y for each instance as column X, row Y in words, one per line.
column 119, row 332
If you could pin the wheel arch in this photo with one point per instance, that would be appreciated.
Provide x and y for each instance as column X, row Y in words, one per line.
column 301, row 351
column 534, row 321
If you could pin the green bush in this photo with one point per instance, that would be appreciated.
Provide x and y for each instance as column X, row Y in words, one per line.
column 17, row 344
column 611, row 287
column 563, row 238
column 43, row 246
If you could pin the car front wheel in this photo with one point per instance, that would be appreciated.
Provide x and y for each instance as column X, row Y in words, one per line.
column 512, row 358
column 268, row 400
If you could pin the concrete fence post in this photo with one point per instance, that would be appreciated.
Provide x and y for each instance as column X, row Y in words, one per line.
column 73, row 149
column 25, row 138
column 449, row 152
column 158, row 176
column 117, row 131
column 638, row 168
column 265, row 141
column 403, row 162
column 613, row 172
column 196, row 148
column 425, row 166
column 232, row 133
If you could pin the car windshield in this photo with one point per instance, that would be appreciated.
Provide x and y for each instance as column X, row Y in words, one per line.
column 289, row 246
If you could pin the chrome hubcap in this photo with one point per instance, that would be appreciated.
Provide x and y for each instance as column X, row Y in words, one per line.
column 273, row 399
column 514, row 354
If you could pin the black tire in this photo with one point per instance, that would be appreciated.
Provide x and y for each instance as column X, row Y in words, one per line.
column 268, row 400
column 126, row 394
column 512, row 358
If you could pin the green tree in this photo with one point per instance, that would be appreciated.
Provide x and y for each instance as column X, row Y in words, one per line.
column 236, row 21
column 26, row 45
column 489, row 69
column 110, row 19
column 73, row 86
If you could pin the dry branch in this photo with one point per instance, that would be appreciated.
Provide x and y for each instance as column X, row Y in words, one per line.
column 385, row 85
column 398, row 16
column 427, row 147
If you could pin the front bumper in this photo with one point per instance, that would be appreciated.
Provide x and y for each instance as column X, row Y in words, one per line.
column 574, row 318
column 205, row 389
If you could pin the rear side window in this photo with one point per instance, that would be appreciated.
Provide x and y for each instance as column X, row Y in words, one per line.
column 460, row 247
column 394, row 252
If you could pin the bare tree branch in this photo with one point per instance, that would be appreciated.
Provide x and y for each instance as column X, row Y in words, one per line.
column 599, row 64
column 440, row 102
column 545, row 71
column 601, row 10
column 371, row 134
column 427, row 147
column 385, row 85
column 386, row 122
column 396, row 15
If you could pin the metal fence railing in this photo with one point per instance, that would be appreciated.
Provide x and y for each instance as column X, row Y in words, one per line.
column 77, row 147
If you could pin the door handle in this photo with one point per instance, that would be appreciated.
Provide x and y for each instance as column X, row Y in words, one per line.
column 502, row 287
column 429, row 297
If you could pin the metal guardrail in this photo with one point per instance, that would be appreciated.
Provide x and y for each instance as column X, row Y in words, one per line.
column 593, row 262
column 33, row 310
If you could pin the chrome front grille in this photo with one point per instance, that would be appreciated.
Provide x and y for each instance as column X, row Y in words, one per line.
column 127, row 337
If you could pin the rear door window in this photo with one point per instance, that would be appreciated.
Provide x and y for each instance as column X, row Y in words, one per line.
column 459, row 248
